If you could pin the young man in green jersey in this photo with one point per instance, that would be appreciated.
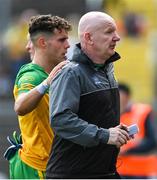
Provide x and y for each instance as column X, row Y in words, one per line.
column 47, row 46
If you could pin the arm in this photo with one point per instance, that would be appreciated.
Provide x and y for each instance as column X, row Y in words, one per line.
column 27, row 101
column 65, row 94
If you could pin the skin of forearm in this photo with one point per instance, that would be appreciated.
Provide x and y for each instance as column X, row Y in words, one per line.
column 26, row 102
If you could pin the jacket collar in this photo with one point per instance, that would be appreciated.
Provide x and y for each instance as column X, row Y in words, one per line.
column 80, row 56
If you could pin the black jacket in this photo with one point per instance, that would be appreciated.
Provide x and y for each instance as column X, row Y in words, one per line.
column 84, row 103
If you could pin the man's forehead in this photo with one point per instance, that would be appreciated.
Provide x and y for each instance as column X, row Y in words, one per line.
column 102, row 24
column 59, row 30
column 62, row 32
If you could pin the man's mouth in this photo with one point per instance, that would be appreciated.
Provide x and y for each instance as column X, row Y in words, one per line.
column 113, row 46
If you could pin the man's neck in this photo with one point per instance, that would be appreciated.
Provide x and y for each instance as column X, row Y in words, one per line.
column 46, row 64
column 94, row 57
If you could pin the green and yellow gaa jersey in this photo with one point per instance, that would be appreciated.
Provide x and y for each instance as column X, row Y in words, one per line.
column 35, row 127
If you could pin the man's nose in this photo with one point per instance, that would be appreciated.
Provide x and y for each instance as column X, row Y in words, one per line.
column 27, row 46
column 67, row 45
column 116, row 37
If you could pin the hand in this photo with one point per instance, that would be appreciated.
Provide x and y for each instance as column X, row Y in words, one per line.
column 124, row 127
column 118, row 136
column 55, row 71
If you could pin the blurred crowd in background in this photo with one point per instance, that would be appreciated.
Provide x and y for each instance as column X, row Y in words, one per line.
column 137, row 26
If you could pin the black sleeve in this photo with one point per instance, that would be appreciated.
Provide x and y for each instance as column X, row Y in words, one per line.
column 65, row 94
column 149, row 141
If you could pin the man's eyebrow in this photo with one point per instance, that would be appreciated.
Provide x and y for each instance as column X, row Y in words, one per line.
column 62, row 38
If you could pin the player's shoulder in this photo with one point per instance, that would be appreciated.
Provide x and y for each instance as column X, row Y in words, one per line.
column 30, row 67
column 31, row 72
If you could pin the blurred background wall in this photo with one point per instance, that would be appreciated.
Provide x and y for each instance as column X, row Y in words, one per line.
column 137, row 26
column 137, row 23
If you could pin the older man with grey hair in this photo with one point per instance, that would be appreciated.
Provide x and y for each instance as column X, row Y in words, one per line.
column 84, row 106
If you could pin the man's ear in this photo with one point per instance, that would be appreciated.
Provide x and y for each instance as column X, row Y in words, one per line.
column 88, row 38
column 42, row 42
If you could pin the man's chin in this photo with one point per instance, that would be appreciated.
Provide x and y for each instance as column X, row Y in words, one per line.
column 112, row 52
column 65, row 58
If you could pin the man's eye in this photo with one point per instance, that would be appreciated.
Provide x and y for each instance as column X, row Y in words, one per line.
column 62, row 40
column 109, row 32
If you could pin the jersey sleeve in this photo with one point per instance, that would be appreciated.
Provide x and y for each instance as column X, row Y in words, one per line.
column 27, row 82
